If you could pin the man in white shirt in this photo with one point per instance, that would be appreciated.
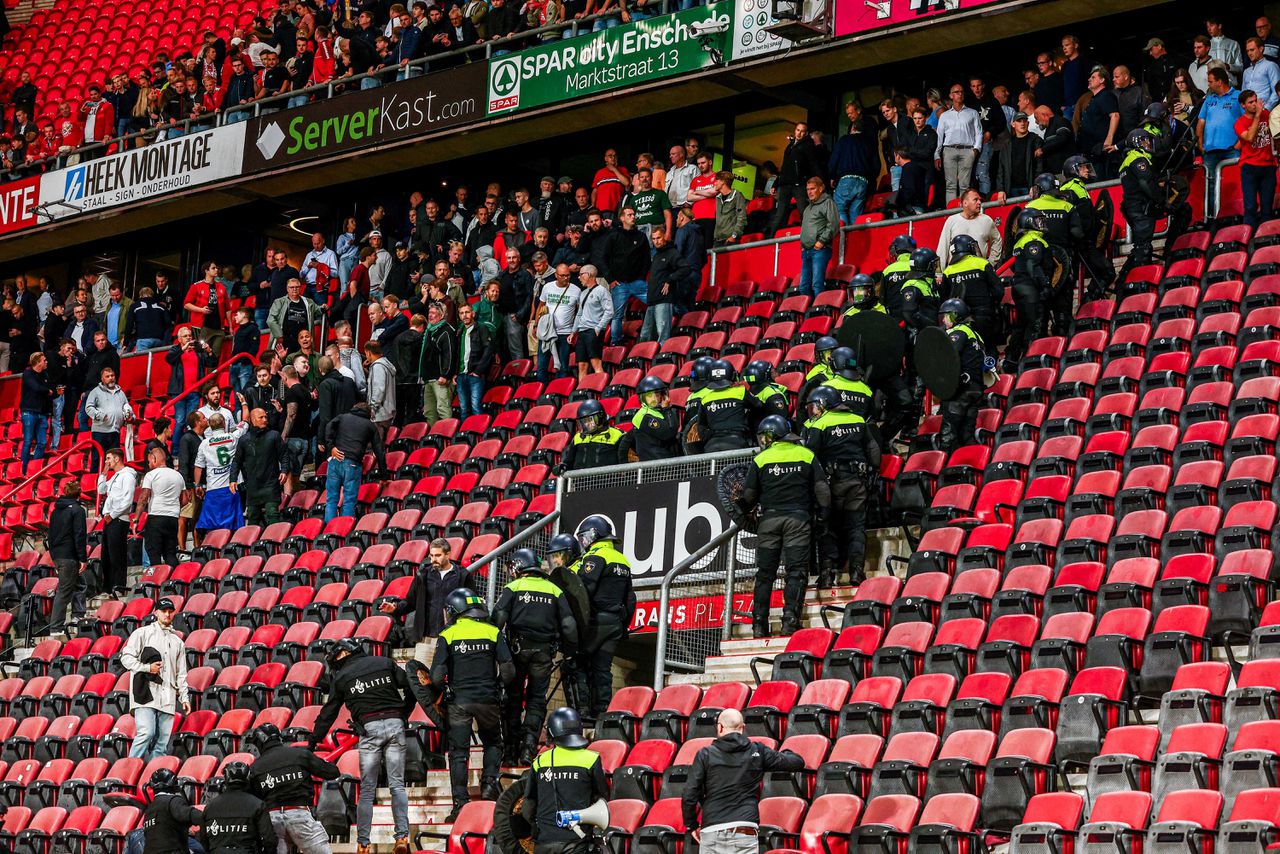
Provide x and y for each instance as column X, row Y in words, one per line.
column 159, row 683
column 560, row 295
column 212, row 470
column 116, row 484
column 379, row 265
column 213, row 404
column 679, row 175
column 1224, row 49
column 959, row 142
column 973, row 222
column 161, row 495
column 318, row 285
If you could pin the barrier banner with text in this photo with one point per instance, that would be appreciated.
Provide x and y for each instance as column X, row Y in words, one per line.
column 864, row 16
column 18, row 200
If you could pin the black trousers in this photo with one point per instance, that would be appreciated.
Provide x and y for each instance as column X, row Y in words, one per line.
column 1030, row 303
column 595, row 665
column 71, row 591
column 781, row 539
column 261, row 510
column 1142, row 225
column 960, row 418
column 845, row 537
column 487, row 720
column 897, row 406
column 786, row 194
column 115, row 554
column 533, row 667
column 161, row 539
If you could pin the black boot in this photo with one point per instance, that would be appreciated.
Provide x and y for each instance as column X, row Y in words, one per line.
column 760, row 624
column 453, row 813
column 790, row 622
column 529, row 750
column 490, row 789
column 827, row 576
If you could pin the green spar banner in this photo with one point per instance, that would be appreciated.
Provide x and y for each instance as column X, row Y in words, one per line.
column 597, row 62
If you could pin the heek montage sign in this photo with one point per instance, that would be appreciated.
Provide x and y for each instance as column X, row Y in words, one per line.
column 598, row 62
column 143, row 173
column 354, row 120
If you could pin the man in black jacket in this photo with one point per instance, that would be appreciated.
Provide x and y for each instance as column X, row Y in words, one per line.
column 235, row 821
column 188, row 446
column 260, row 459
column 437, row 365
column 515, row 297
column 68, row 547
column 335, row 394
column 667, row 269
column 430, row 587
column 167, row 819
column 799, row 164
column 147, row 325
column 626, row 265
column 1059, row 141
column 284, row 777
column 348, row 437
column 475, row 355
column 724, row 783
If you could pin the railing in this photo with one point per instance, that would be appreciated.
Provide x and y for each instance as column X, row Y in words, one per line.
column 537, row 531
column 193, row 387
column 58, row 460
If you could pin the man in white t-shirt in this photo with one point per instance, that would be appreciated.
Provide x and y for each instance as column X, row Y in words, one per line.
column 212, row 402
column 161, row 496
column 214, row 460
column 561, row 299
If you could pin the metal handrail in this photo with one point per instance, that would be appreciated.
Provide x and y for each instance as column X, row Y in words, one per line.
column 173, row 401
column 78, row 446
column 664, row 599
column 491, row 587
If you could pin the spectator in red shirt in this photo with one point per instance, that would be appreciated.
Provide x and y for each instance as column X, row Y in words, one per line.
column 610, row 182
column 70, row 134
column 98, row 119
column 209, row 308
column 1257, row 160
column 702, row 195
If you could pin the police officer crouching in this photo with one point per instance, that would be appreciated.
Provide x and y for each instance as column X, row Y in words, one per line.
column 960, row 413
column 535, row 616
column 606, row 575
column 568, row 777
column 595, row 444
column 236, row 821
column 169, row 816
column 784, row 480
column 472, row 662
column 284, row 777
column 376, row 693
column 723, row 411
column 655, row 428
column 849, row 455
column 767, row 396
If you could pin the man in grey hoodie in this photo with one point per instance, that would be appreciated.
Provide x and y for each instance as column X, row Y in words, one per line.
column 819, row 228
column 108, row 409
column 381, row 386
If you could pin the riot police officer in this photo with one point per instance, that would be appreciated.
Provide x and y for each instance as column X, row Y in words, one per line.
column 919, row 293
column 862, row 297
column 849, row 455
column 472, row 661
column 595, row 444
column 1143, row 200
column 896, row 273
column 606, row 574
column 699, row 375
column 769, row 397
column 655, row 428
column 722, row 415
column 284, row 777
column 960, row 413
column 821, row 371
column 1084, row 225
column 376, row 693
column 1155, row 121
column 1033, row 270
column 568, row 777
column 235, row 821
column 1046, row 198
column 535, row 616
column 892, row 384
column 971, row 278
column 167, row 818
column 847, row 383
column 784, row 481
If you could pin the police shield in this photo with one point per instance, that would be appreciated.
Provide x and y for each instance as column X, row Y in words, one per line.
column 730, row 485
column 877, row 341
column 1105, row 212
column 937, row 362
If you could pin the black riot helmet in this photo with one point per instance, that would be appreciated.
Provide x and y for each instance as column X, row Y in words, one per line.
column 265, row 736
column 845, row 363
column 465, row 603
column 235, row 775
column 823, row 347
column 1045, row 184
column 862, row 291
column 651, row 385
column 1078, row 166
column 1140, row 140
column 564, row 726
column 957, row 308
column 924, row 260
column 1156, row 113
column 771, row 429
column 700, row 372
column 1030, row 220
column 566, row 546
column 350, row 646
column 525, row 561
column 594, row 528
column 758, row 374
column 591, row 417
column 164, row 781
column 721, row 376
column 822, row 399
column 962, row 246
column 902, row 245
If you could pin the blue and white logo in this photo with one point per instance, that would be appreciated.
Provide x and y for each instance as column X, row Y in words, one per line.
column 75, row 185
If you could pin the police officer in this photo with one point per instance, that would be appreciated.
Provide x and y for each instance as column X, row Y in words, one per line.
column 854, row 394
column 896, row 399
column 284, row 777
column 919, row 292
column 699, row 375
column 723, row 411
column 376, row 693
column 655, row 428
column 960, row 413
column 595, row 444
column 848, row 453
column 534, row 615
column 565, row 554
column 768, row 397
column 896, row 273
column 1155, row 121
column 784, row 480
column 168, row 817
column 1033, row 270
column 566, row 777
column 235, row 821
column 1047, row 199
column 472, row 661
column 1143, row 200
column 1084, row 225
column 971, row 278
column 606, row 573
column 821, row 371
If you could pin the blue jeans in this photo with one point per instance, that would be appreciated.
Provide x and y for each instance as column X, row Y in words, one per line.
column 344, row 476
column 620, row 294
column 895, row 178
column 982, row 170
column 152, row 735
column 370, row 83
column 298, row 101
column 146, row 344
column 544, row 359
column 35, row 429
column 1212, row 159
column 813, row 270
column 657, row 323
column 470, row 393
column 1258, row 185
column 605, row 23
column 234, row 116
column 241, row 376
column 382, row 744
column 260, row 315
column 850, row 196
column 55, row 430
column 181, row 412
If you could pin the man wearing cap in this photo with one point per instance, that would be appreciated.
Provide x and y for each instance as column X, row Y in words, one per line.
column 553, row 206
column 167, row 674
column 1158, row 70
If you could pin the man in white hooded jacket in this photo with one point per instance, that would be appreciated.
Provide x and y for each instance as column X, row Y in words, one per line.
column 160, row 684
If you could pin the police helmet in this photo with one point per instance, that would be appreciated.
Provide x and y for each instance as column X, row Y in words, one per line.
column 771, row 429
column 562, row 543
column 164, row 781
column 822, row 399
column 594, row 528
column 954, row 306
column 350, row 646
column 844, row 362
column 963, row 245
column 823, row 347
column 721, row 375
column 564, row 726
column 923, row 260
column 265, row 735
column 464, row 602
column 701, row 368
column 524, row 560
column 591, row 417
column 1030, row 220
column 649, row 385
column 1140, row 140
column 863, row 289
column 901, row 245
column 758, row 374
column 1045, row 184
column 1156, row 113
column 1077, row 166
column 235, row 775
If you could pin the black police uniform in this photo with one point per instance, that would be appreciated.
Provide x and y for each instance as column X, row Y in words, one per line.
column 1056, row 212
column 472, row 659
column 855, row 395
column 372, row 687
column 1084, row 236
column 562, row 778
column 896, row 410
column 960, row 413
column 1033, row 265
column 535, row 615
column 892, row 278
column 592, row 450
column 770, row 399
column 724, row 419
column 843, row 444
column 817, row 375
column 284, row 778
column 606, row 574
column 973, row 280
column 237, row 822
column 166, row 823
column 654, row 435
column 1142, row 204
column 784, row 480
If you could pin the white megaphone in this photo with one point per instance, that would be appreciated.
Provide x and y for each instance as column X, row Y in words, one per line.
column 596, row 815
